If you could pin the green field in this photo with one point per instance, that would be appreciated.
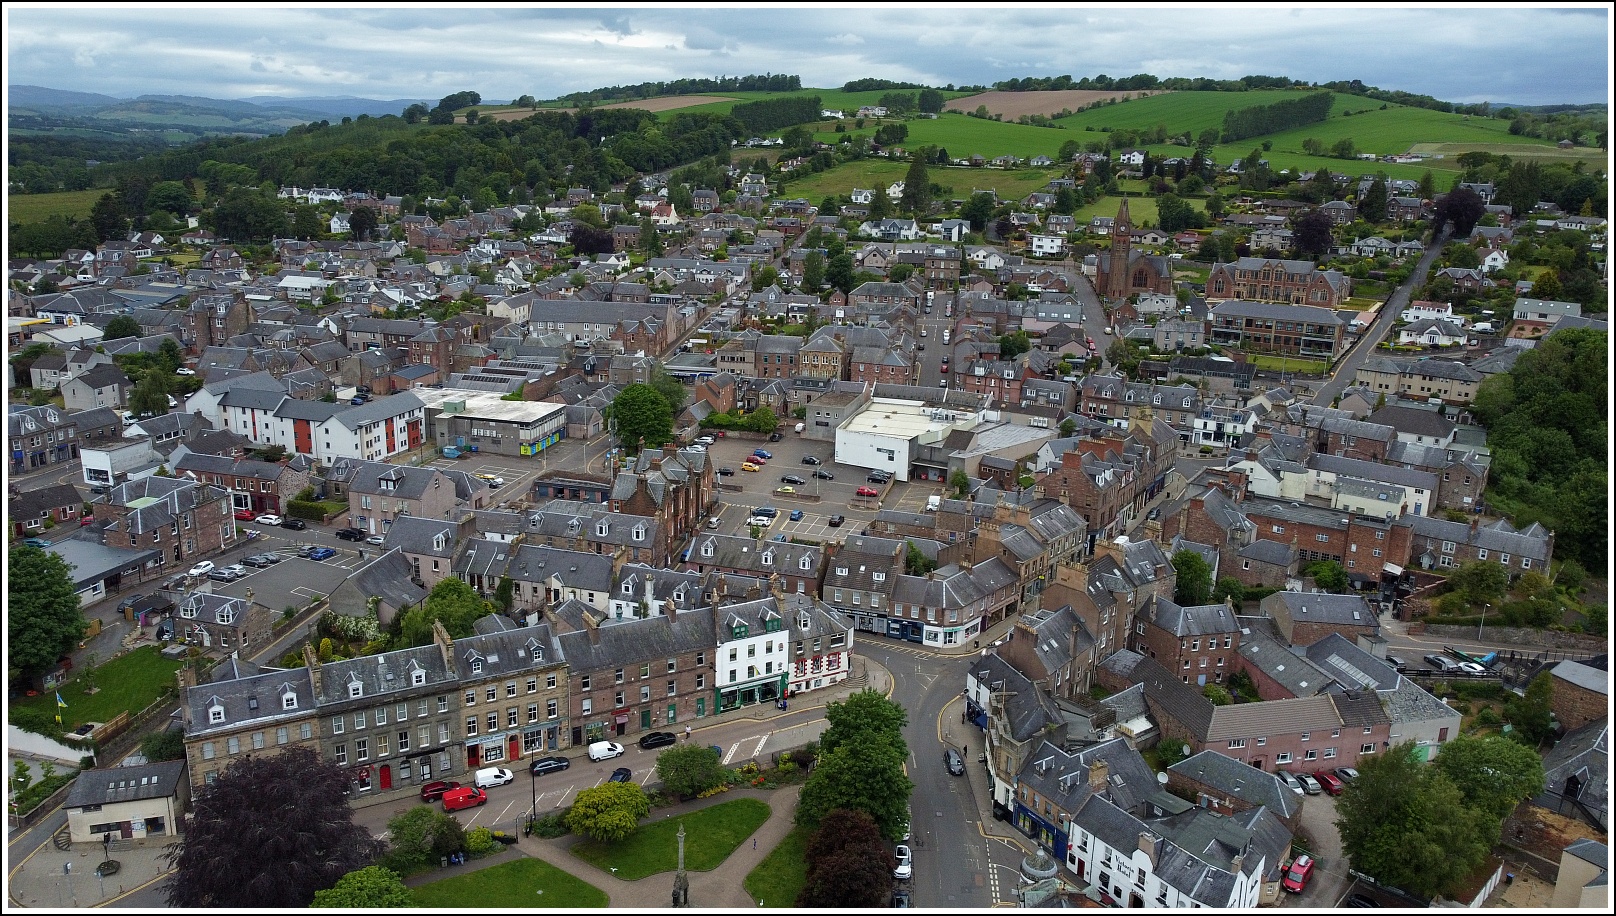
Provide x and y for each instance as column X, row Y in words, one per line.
column 711, row 834
column 1177, row 111
column 778, row 879
column 965, row 136
column 518, row 884
column 1009, row 184
column 34, row 208
column 128, row 683
column 848, row 102
column 1142, row 210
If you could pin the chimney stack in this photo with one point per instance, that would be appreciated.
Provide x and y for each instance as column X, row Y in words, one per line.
column 1099, row 772
column 592, row 625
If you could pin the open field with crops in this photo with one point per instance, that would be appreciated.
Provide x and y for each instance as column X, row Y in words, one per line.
column 34, row 208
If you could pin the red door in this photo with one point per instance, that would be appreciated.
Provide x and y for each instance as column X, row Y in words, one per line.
column 514, row 752
column 387, row 777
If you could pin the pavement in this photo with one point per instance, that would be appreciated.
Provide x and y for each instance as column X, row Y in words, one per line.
column 40, row 882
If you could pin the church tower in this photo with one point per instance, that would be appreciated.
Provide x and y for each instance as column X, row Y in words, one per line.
column 1116, row 278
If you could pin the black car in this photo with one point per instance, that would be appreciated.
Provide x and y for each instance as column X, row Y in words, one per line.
column 900, row 899
column 726, row 472
column 775, row 437
column 876, row 477
column 293, row 524
column 792, row 479
column 351, row 534
column 809, row 459
column 129, row 602
column 621, row 774
column 954, row 762
column 823, row 474
column 836, row 521
column 260, row 560
column 549, row 765
column 1396, row 662
column 657, row 739
column 100, row 489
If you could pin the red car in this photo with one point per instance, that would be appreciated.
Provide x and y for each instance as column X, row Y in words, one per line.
column 433, row 791
column 245, row 515
column 1329, row 781
column 463, row 797
column 868, row 491
column 1297, row 875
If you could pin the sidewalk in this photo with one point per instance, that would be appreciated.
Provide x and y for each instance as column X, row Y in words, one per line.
column 972, row 744
column 40, row 883
column 720, row 888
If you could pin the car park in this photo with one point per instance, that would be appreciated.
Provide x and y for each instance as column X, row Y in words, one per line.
column 1328, row 782
column 463, row 797
column 868, row 491
column 796, row 515
column 822, row 474
column 200, row 569
column 490, row 777
column 350, row 534
column 1309, row 784
column 1297, row 874
column 1347, row 774
column 224, row 575
column 294, row 524
column 621, row 774
column 748, row 466
column 726, row 472
column 654, row 740
column 905, row 868
column 1291, row 782
column 954, row 762
column 434, row 791
column 245, row 515
column 792, row 479
column 548, row 765
column 321, row 553
column 762, row 454
column 267, row 520
column 836, row 521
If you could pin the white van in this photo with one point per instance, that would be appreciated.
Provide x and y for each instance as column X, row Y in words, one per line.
column 605, row 750
column 492, row 776
column 801, row 427
column 933, row 503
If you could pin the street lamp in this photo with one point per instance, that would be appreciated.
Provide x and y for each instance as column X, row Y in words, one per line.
column 533, row 785
column 1484, row 607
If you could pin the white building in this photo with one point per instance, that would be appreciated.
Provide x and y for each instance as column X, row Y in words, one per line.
column 1046, row 245
column 887, row 432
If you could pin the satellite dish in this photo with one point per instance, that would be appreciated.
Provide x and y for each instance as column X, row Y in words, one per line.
column 1161, row 778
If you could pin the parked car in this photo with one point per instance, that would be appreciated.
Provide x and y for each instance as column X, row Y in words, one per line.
column 726, row 472
column 321, row 553
column 245, row 515
column 490, row 777
column 605, row 750
column 376, row 539
column 1297, row 875
column 775, row 437
column 706, row 440
column 1329, row 781
column 954, row 762
column 1359, row 901
column 652, row 740
column 1396, row 662
column 494, row 482
column 759, row 521
column 86, row 520
column 1441, row 662
column 294, row 524
column 822, row 474
column 836, row 521
column 785, row 491
column 796, row 515
column 781, row 538
column 129, row 602
column 758, row 460
column 868, row 491
column 621, row 774
column 260, row 560
column 792, row 479
column 224, row 575
column 267, row 520
column 1291, row 782
column 1472, row 668
column 549, row 765
column 766, row 511
column 900, row 898
column 810, row 459
column 905, row 868
column 351, row 534
column 185, row 370
column 1347, row 774
column 878, row 477
column 41, row 543
column 433, row 791
column 1309, row 784
column 748, row 466
column 762, row 453
column 463, row 797
column 200, row 569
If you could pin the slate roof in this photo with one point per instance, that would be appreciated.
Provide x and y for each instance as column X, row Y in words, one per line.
column 1583, row 676
column 1026, row 708
column 113, row 785
column 1244, row 308
column 384, row 674
column 1298, row 675
column 29, row 504
column 1350, row 666
column 1497, row 537
column 1163, row 689
column 1272, row 552
column 1412, row 420
column 1352, row 610
column 1410, row 702
column 761, row 557
column 508, row 650
column 1272, row 717
column 633, row 640
column 249, row 695
column 388, row 577
column 1583, row 753
column 1239, row 780
column 1188, row 621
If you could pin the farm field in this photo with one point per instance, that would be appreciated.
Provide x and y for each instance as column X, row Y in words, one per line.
column 1012, row 105
column 879, row 173
column 1142, row 210
column 1178, row 111
column 1515, row 150
column 847, row 102
column 963, row 136
column 34, row 208
column 663, row 103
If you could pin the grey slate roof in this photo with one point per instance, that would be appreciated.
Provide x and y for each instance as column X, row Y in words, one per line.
column 1352, row 610
column 1583, row 676
column 634, row 640
column 1240, row 780
column 384, row 674
column 112, row 785
column 1273, row 658
column 1027, row 709
column 254, row 696
column 387, row 577
column 1188, row 621
column 1350, row 666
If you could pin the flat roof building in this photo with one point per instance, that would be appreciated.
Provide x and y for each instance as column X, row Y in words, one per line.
column 486, row 422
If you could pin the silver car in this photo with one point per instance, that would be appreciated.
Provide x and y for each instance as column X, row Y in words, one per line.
column 1290, row 781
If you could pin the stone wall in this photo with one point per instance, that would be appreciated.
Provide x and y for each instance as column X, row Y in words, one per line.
column 1522, row 636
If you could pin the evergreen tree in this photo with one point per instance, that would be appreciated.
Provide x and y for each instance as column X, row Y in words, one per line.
column 917, row 187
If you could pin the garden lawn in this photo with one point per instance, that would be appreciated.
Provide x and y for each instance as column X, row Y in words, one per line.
column 711, row 834
column 957, row 182
column 518, row 884
column 1287, row 364
column 778, row 879
column 128, row 683
column 1142, row 210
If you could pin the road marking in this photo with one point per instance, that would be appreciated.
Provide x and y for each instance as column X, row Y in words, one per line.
column 759, row 749
column 564, row 796
column 302, row 592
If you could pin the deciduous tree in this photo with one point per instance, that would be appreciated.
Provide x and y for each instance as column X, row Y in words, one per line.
column 862, row 717
column 371, row 887
column 917, row 187
column 643, row 417
column 271, row 831
column 452, row 602
column 120, row 327
column 43, row 617
column 862, row 775
column 849, row 864
column 1492, row 772
column 608, row 812
column 1311, row 235
column 689, row 769
column 1462, row 207
column 362, row 222
column 1194, row 585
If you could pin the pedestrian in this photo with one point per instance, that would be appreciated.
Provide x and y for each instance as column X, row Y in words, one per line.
column 754, row 842
column 687, row 733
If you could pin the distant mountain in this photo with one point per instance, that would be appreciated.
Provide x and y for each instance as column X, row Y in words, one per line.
column 41, row 97
column 341, row 106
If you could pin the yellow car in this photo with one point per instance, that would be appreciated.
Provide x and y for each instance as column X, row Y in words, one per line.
column 785, row 491
column 749, row 466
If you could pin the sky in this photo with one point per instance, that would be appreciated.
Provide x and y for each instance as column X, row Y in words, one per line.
column 1524, row 55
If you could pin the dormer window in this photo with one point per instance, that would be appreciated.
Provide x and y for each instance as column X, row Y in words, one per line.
column 880, row 577
column 601, row 529
column 628, row 588
column 215, row 714
column 767, row 558
column 639, row 532
column 806, row 562
column 355, row 690
column 417, row 678
column 841, row 570
column 707, row 549
column 476, row 666
column 226, row 615
column 288, row 700
column 440, row 541
column 739, row 631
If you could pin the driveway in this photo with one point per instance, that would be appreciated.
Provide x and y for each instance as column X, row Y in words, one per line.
column 1330, row 878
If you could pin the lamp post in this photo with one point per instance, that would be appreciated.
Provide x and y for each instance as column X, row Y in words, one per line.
column 533, row 785
column 1484, row 607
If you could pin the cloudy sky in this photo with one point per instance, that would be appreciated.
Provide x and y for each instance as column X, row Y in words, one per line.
column 1531, row 55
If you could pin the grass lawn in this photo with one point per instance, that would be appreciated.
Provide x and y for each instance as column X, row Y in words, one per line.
column 1009, row 184
column 779, row 878
column 1359, row 303
column 711, row 834
column 35, row 208
column 1142, row 210
column 1287, row 364
column 1179, row 111
column 518, row 884
column 128, row 683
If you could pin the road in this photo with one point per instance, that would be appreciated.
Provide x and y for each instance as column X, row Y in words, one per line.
column 1346, row 371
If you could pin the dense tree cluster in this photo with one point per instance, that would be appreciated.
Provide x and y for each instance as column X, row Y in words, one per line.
column 1267, row 119
column 767, row 82
column 871, row 85
column 860, row 765
column 765, row 115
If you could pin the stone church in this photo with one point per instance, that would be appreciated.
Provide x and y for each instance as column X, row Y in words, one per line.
column 1125, row 271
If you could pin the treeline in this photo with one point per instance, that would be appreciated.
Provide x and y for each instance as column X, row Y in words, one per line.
column 42, row 164
column 1054, row 83
column 872, row 84
column 767, row 82
column 1581, row 127
column 1267, row 119
column 772, row 114
column 1411, row 99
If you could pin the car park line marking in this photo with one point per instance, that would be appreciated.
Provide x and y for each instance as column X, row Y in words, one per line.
column 564, row 796
column 302, row 592
column 760, row 744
